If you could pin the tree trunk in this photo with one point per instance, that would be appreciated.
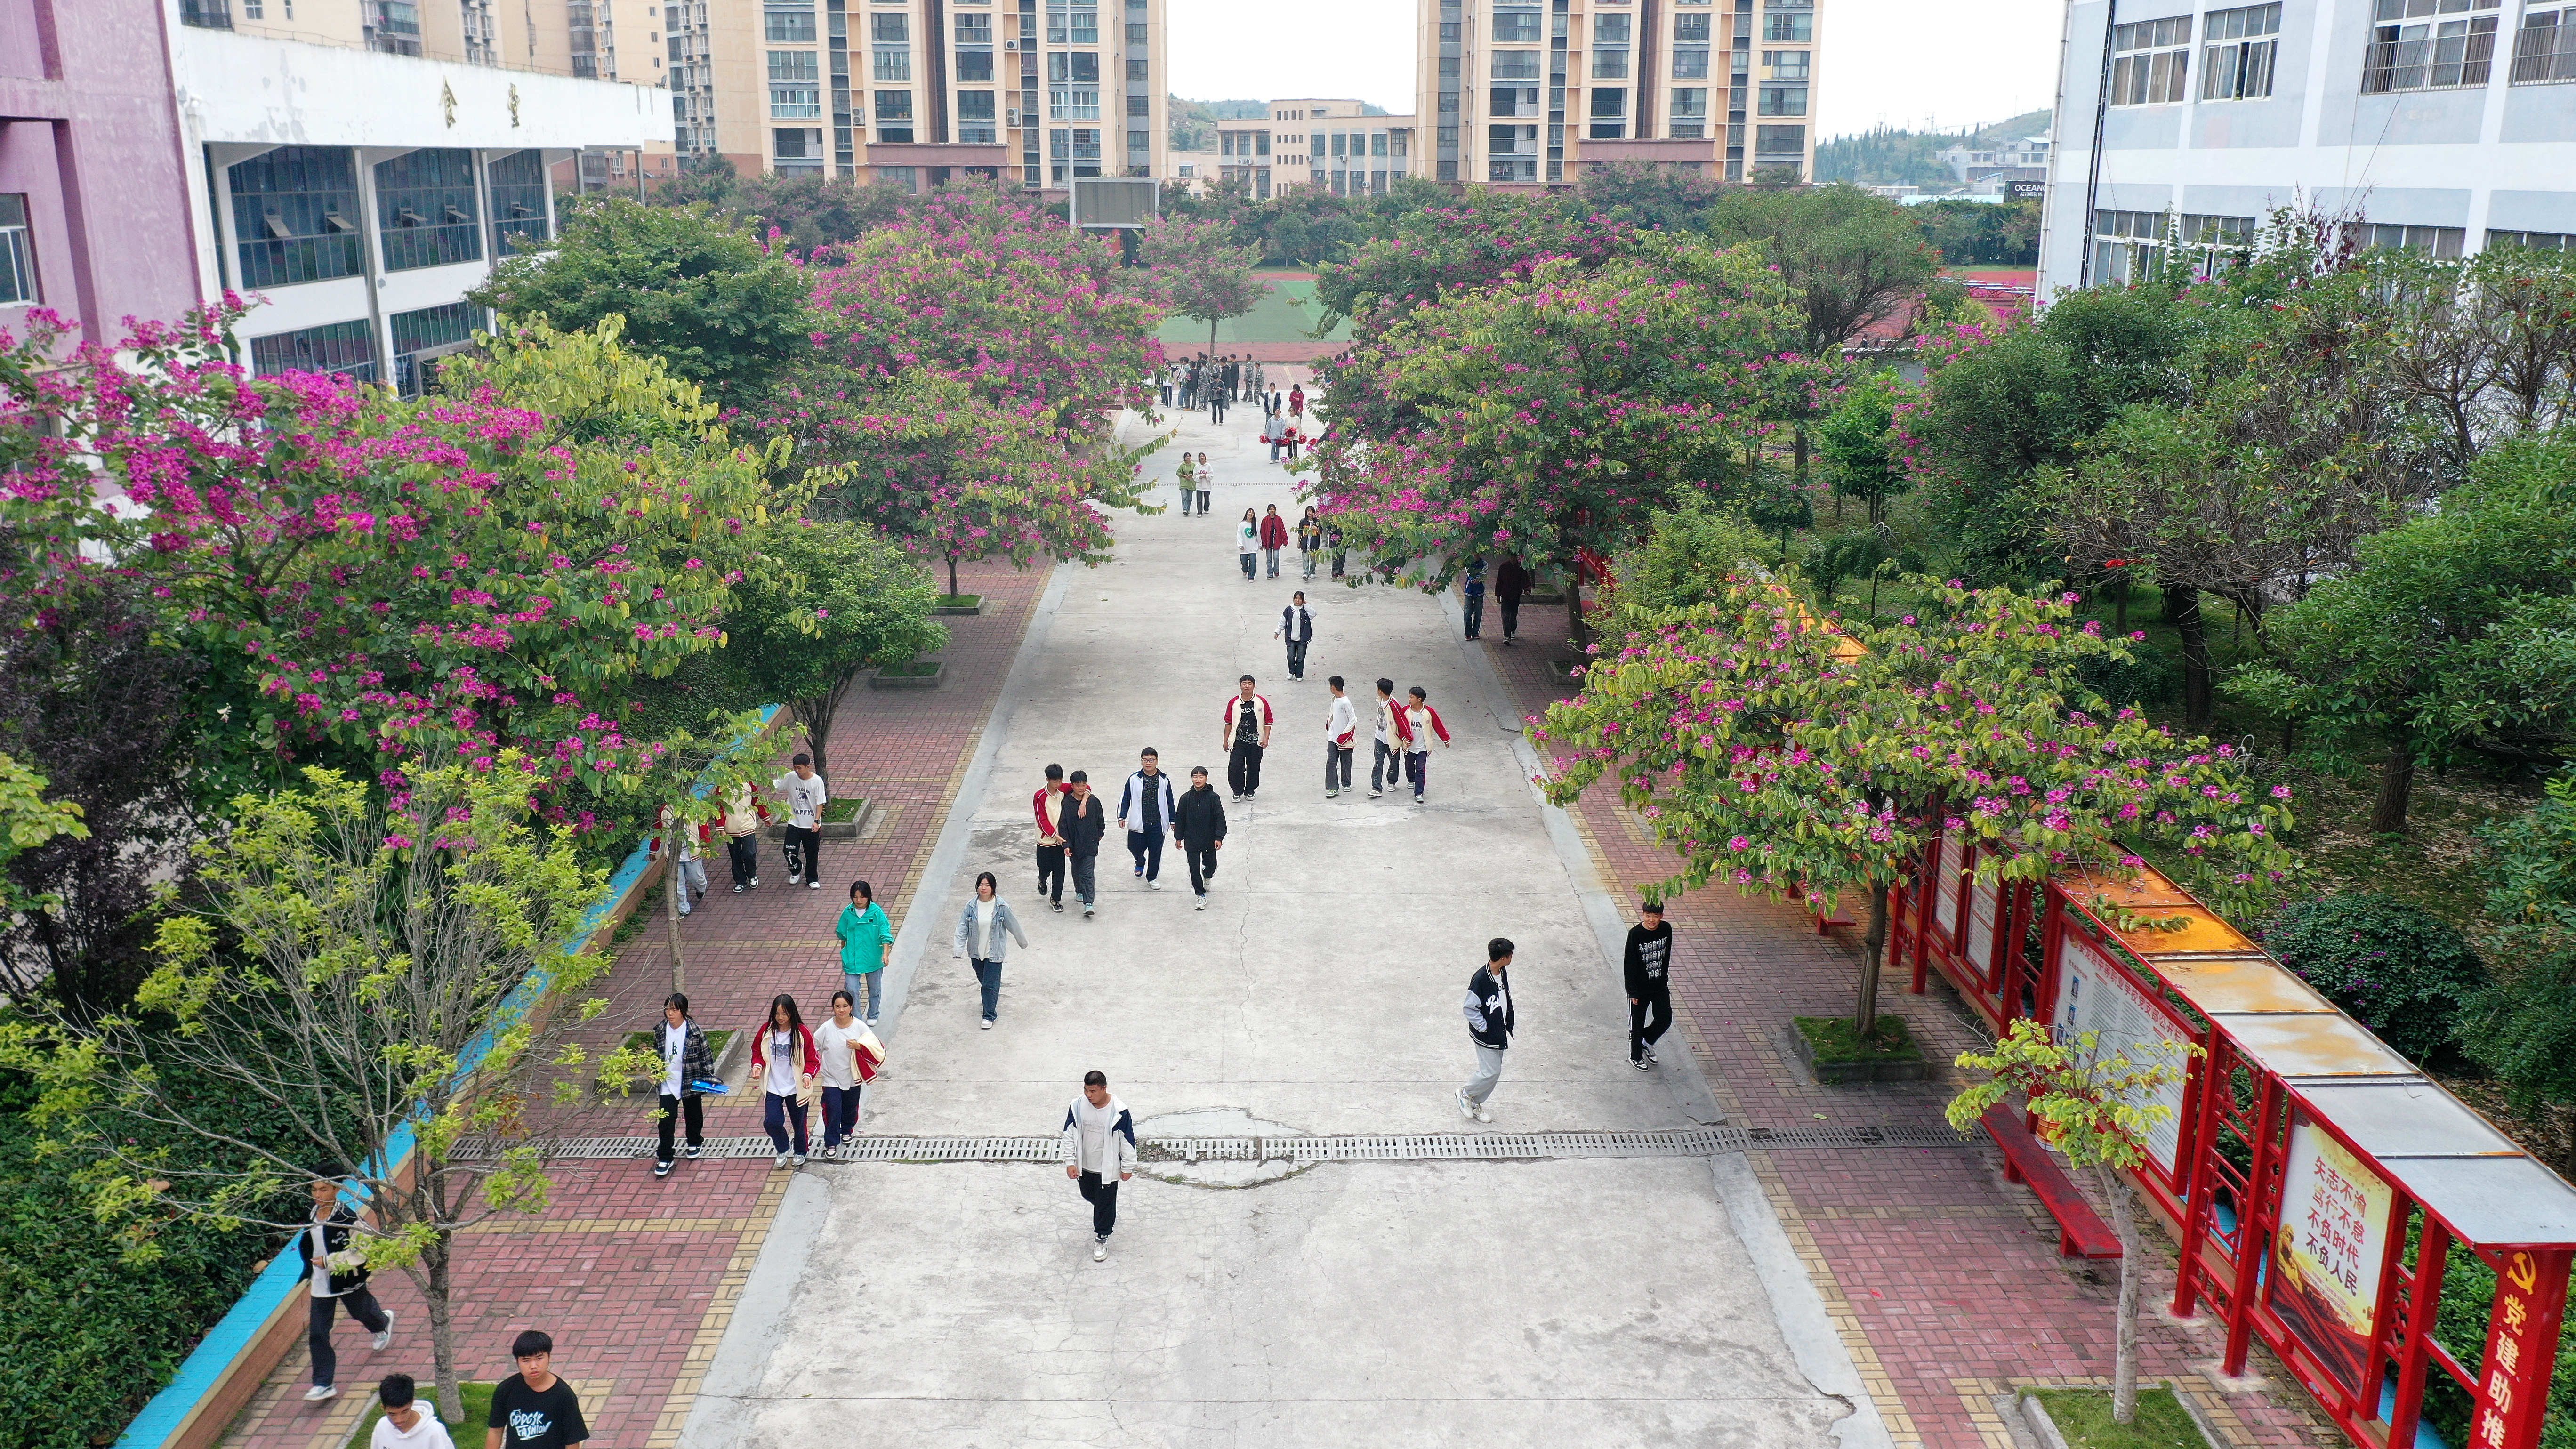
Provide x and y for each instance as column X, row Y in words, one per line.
column 1873, row 949
column 442, row 1329
column 1798, row 464
column 672, row 885
column 2396, row 788
column 2182, row 607
column 2124, row 1340
column 952, row 576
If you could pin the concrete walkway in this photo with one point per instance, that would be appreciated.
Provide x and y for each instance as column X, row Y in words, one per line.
column 1613, row 1302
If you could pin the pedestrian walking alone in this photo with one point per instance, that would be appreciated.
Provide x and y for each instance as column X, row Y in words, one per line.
column 1297, row 626
column 1274, row 537
column 1297, row 400
column 1099, row 1141
column 1188, row 474
column 1472, row 600
column 1647, row 964
column 1510, row 582
column 1490, row 1024
column 687, row 1066
column 1145, row 813
column 784, row 1062
column 688, row 872
column 867, row 944
column 405, row 1424
column 1310, row 540
column 805, row 794
column 1247, row 542
column 1083, row 825
column 533, row 1408
column 984, row 932
column 847, row 1049
column 1341, row 736
column 1388, row 755
column 1247, row 734
column 742, row 817
column 1049, row 804
column 334, row 1278
column 1274, row 430
column 1421, row 722
column 1206, row 476
column 1198, row 822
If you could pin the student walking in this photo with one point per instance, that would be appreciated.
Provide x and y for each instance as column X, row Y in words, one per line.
column 1333, row 541
column 784, row 1062
column 1188, row 474
column 805, row 794
column 742, row 817
column 848, row 1051
column 1296, row 399
column 405, row 1424
column 1310, row 540
column 1490, row 1024
column 1247, row 734
column 1145, row 812
column 686, row 1067
column 688, row 872
column 1083, row 826
column 1297, row 626
column 1049, row 804
column 1198, row 823
column 1206, row 476
column 1274, row 430
column 1216, row 396
column 534, row 1409
column 867, row 945
column 1341, row 735
column 333, row 1279
column 1510, row 582
column 1420, row 723
column 1472, row 599
column 1389, row 752
column 1247, row 542
column 1274, row 537
column 984, row 930
column 1099, row 1139
column 1647, row 963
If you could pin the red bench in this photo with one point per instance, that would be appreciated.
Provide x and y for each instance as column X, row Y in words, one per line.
column 2081, row 1233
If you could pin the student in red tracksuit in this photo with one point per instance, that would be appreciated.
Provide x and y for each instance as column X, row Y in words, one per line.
column 1274, row 537
column 1417, row 722
column 1247, row 734
column 784, row 1061
column 1048, row 802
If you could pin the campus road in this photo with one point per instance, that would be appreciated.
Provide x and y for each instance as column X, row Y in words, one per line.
column 1574, row 1301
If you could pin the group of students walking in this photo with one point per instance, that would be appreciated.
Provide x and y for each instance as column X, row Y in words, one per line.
column 1266, row 536
column 1211, row 382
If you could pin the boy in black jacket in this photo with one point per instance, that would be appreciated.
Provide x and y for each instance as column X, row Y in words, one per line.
column 1079, row 821
column 1199, row 822
column 1490, row 1023
column 1648, row 967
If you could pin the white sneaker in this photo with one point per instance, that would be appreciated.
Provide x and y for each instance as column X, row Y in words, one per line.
column 1153, row 885
column 813, row 885
column 1086, row 910
column 319, row 1392
column 385, row 1335
column 1203, row 903
column 798, row 1159
column 1466, row 1108
column 988, row 1023
column 1099, row 1251
column 1482, row 1115
column 795, row 879
column 781, row 1162
column 1375, row 794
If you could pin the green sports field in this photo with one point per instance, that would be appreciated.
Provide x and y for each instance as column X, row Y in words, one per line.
column 1286, row 315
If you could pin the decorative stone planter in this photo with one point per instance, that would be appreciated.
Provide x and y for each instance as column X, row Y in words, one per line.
column 958, row 605
column 923, row 674
column 1894, row 1068
column 832, row 829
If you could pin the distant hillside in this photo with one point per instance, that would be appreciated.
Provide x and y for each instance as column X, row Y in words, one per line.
column 1885, row 156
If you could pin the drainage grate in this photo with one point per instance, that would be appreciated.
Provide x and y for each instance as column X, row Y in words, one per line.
column 1422, row 1147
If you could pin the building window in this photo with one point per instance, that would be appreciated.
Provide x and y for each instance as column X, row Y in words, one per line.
column 518, row 186
column 975, row 117
column 426, row 212
column 1690, row 113
column 974, row 66
column 420, row 337
column 1513, row 27
column 347, row 348
column 296, row 217
column 974, row 30
column 1515, row 65
column 1073, row 103
column 1135, row 33
column 1690, row 65
column 17, row 252
column 209, row 14
column 894, row 115
column 1782, row 101
column 1136, row 70
column 1609, row 113
column 1796, row 27
column 2545, row 48
column 906, row 177
column 2442, row 241
column 789, row 26
column 2531, row 241
column 1779, row 140
column 1610, row 30
column 890, row 65
column 1786, row 64
column 1688, row 28
column 890, row 29
column 2236, row 59
column 2151, row 61
column 797, row 150
column 794, row 65
column 796, row 103
column 393, row 26
column 1610, row 64
column 1140, row 105
column 2413, row 48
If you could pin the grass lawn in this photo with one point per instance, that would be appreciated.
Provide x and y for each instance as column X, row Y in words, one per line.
column 2084, row 1417
column 478, row 1408
column 1288, row 314
column 1838, row 1039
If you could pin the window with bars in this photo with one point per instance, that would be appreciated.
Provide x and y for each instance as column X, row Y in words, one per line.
column 17, row 251
column 2429, row 45
column 1779, row 140
column 517, row 183
column 1689, row 113
column 1786, row 64
column 1690, row 64
column 795, row 65
column 2544, row 49
column 2238, row 53
column 429, row 333
column 789, row 26
column 1610, row 64
column 1795, row 26
column 1073, row 103
column 426, row 211
column 1690, row 29
column 1782, row 101
column 2441, row 241
column 889, row 64
column 1515, row 65
column 348, row 348
column 296, row 217
column 2151, row 61
column 894, row 115
column 1515, row 27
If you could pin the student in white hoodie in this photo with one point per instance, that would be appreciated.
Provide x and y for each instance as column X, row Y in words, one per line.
column 1341, row 736
column 1099, row 1139
column 407, row 1422
column 805, row 794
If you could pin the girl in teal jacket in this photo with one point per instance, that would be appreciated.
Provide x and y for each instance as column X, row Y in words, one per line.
column 867, row 943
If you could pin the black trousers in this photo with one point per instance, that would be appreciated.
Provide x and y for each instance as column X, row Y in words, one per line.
column 1473, row 606
column 804, row 853
column 694, row 1107
column 1296, row 659
column 743, row 853
column 1243, row 768
column 1201, row 855
column 1511, row 615
column 362, row 1307
column 1051, row 868
column 1337, row 767
column 1103, row 1197
column 1649, row 1017
column 1147, row 847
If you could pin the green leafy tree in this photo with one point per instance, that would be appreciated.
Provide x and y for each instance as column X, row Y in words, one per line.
column 1483, row 238
column 384, row 941
column 1778, row 506
column 2455, row 627
column 2522, row 1026
column 1201, row 273
column 1850, row 258
column 1641, row 193
column 1684, row 558
column 696, row 287
column 856, row 599
column 1859, row 443
column 28, row 820
column 1776, row 755
column 2099, row 1109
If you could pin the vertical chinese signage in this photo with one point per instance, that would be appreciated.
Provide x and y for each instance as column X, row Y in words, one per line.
column 2099, row 995
column 1945, row 892
column 2326, row 1259
column 2513, row 1386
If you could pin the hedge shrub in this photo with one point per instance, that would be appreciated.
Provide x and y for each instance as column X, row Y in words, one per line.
column 2396, row 969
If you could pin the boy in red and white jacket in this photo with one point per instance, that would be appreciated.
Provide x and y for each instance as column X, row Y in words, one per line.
column 1048, row 802
column 1415, row 724
column 1247, row 734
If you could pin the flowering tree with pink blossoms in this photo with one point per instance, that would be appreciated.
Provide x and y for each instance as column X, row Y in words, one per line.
column 1771, row 752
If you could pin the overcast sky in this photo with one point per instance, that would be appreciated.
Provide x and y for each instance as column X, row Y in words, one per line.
column 1893, row 60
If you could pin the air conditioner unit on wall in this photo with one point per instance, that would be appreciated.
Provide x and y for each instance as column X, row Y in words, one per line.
column 1010, row 45
column 1015, row 118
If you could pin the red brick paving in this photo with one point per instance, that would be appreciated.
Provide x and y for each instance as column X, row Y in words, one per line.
column 636, row 1278
column 1944, row 1280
